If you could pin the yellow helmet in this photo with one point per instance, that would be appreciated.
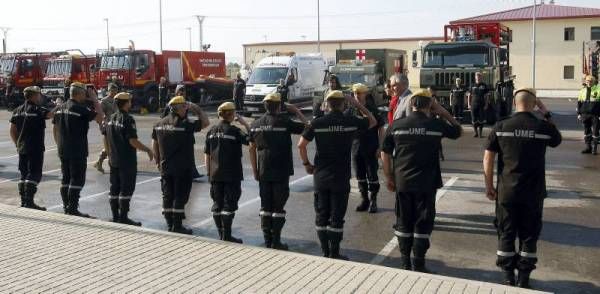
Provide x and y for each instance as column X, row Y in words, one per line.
column 337, row 94
column 177, row 100
column 227, row 106
column 123, row 96
column 360, row 88
column 274, row 97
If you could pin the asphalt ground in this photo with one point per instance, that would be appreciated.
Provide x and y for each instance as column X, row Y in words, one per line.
column 463, row 242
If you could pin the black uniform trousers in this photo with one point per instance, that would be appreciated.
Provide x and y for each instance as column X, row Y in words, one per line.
column 591, row 126
column 273, row 197
column 331, row 203
column 122, row 186
column 415, row 215
column 73, row 179
column 176, row 193
column 522, row 220
column 30, row 167
column 458, row 108
column 225, row 196
column 239, row 103
column 366, row 166
column 478, row 114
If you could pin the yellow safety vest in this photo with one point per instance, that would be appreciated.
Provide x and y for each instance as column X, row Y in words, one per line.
column 594, row 94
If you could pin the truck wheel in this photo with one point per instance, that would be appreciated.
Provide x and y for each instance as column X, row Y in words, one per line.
column 152, row 98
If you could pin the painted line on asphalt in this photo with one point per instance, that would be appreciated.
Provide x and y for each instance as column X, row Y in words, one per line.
column 106, row 192
column 246, row 203
column 391, row 245
column 17, row 155
column 43, row 173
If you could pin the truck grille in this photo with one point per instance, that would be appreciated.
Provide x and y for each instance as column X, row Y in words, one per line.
column 446, row 79
column 254, row 98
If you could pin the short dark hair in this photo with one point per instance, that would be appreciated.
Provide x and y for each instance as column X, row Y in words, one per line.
column 121, row 103
column 272, row 107
column 336, row 104
column 29, row 94
column 338, row 86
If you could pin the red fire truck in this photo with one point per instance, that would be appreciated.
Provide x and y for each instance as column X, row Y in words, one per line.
column 21, row 70
column 74, row 66
column 139, row 71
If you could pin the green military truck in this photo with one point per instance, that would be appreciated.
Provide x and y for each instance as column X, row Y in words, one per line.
column 371, row 67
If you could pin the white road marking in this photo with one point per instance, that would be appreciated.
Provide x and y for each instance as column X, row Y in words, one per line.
column 391, row 245
column 106, row 192
column 43, row 173
column 249, row 202
column 17, row 155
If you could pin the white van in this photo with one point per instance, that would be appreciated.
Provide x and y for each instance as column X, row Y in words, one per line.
column 306, row 74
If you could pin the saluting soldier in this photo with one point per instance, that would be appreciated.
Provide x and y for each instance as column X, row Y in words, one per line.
column 412, row 168
column 173, row 145
column 365, row 153
column 333, row 134
column 27, row 126
column 108, row 107
column 457, row 99
column 476, row 98
column 520, row 142
column 223, row 158
column 71, row 125
column 121, row 134
column 588, row 111
column 272, row 164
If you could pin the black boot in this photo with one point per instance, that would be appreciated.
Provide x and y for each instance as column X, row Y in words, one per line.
column 595, row 149
column 588, row 149
column 480, row 131
column 178, row 226
column 334, row 245
column 405, row 262
column 418, row 264
column 265, row 225
column 364, row 204
column 476, row 134
column 324, row 239
column 64, row 195
column 373, row 206
column 29, row 190
column 73, row 208
column 523, row 279
column 508, row 277
column 277, row 226
column 114, row 208
column 218, row 224
column 124, row 211
column 21, row 187
column 101, row 158
column 227, row 221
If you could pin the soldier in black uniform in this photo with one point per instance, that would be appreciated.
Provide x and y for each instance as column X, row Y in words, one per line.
column 412, row 168
column 333, row 134
column 520, row 142
column 365, row 152
column 272, row 164
column 476, row 98
column 239, row 91
column 457, row 99
column 71, row 125
column 27, row 126
column 223, row 157
column 122, row 139
column 173, row 145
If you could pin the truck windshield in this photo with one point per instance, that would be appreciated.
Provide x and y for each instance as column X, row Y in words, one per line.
column 349, row 78
column 456, row 56
column 7, row 64
column 59, row 68
column 268, row 75
column 115, row 62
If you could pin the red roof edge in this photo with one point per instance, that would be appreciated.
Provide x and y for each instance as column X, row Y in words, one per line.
column 407, row 39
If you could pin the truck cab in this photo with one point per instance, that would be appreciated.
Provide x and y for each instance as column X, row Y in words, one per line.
column 18, row 71
column 75, row 67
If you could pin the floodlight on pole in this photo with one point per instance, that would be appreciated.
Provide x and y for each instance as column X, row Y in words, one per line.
column 533, row 37
column 5, row 40
column 160, row 24
column 200, row 19
column 107, row 35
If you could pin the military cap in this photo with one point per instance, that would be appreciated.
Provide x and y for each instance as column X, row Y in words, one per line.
column 360, row 88
column 274, row 97
column 34, row 89
column 78, row 85
column 337, row 94
column 177, row 100
column 123, row 96
column 526, row 89
column 227, row 106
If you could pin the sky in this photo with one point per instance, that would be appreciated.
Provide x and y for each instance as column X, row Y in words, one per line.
column 68, row 24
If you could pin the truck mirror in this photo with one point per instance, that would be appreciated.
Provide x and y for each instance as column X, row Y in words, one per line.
column 415, row 62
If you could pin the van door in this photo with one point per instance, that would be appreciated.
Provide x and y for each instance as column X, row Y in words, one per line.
column 293, row 82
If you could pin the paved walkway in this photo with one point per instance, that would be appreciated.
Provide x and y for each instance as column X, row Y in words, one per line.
column 50, row 252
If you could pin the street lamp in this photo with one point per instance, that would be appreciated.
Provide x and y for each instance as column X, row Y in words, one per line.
column 533, row 44
column 107, row 35
column 160, row 24
column 200, row 19
column 190, row 36
column 319, row 26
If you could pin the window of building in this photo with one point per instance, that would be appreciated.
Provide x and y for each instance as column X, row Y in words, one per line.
column 569, row 72
column 595, row 33
column 569, row 34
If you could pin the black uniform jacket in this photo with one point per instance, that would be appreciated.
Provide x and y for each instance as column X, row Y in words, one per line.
column 414, row 143
column 175, row 137
column 521, row 142
column 459, row 94
column 119, row 129
column 73, row 121
column 333, row 134
column 30, row 120
column 272, row 136
column 224, row 145
column 479, row 91
column 367, row 142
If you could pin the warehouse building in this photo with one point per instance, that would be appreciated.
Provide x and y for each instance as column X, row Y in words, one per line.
column 564, row 35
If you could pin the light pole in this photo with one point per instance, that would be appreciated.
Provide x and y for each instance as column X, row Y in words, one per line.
column 200, row 19
column 160, row 24
column 5, row 40
column 319, row 26
column 107, row 35
column 190, row 36
column 533, row 44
